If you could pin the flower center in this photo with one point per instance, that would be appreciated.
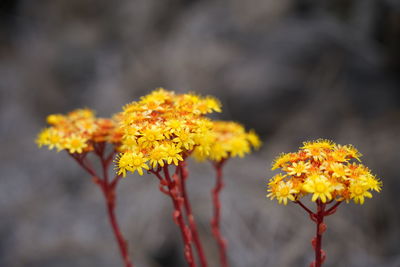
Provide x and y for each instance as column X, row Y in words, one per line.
column 75, row 143
column 137, row 162
column 320, row 187
column 285, row 191
column 358, row 190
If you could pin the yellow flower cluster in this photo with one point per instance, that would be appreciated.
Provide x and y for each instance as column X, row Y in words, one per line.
column 77, row 131
column 324, row 169
column 162, row 128
column 228, row 139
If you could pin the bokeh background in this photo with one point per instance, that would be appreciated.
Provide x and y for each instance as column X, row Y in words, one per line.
column 293, row 70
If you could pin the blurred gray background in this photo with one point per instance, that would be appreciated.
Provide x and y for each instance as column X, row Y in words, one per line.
column 293, row 70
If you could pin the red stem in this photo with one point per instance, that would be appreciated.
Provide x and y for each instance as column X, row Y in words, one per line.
column 109, row 194
column 188, row 209
column 108, row 190
column 332, row 209
column 215, row 223
column 320, row 228
column 318, row 218
column 173, row 192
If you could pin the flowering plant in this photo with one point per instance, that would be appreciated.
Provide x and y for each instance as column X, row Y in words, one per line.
column 326, row 171
column 154, row 134
column 80, row 133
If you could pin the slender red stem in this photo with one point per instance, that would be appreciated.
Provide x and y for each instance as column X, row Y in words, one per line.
column 109, row 193
column 320, row 229
column 108, row 189
column 174, row 193
column 318, row 218
column 183, row 175
column 215, row 223
column 332, row 209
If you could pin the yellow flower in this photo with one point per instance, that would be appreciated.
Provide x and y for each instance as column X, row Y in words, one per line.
column 372, row 182
column 352, row 152
column 174, row 125
column 284, row 191
column 151, row 136
column 239, row 147
column 184, row 139
column 339, row 170
column 123, row 163
column 254, row 140
column 280, row 161
column 218, row 152
column 54, row 119
column 319, row 186
column 173, row 154
column 276, row 179
column 319, row 144
column 298, row 168
column 131, row 161
column 339, row 153
column 43, row 137
column 207, row 105
column 157, row 156
column 358, row 192
column 75, row 144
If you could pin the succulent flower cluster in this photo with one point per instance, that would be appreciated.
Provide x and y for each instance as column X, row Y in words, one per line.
column 162, row 128
column 228, row 139
column 324, row 169
column 77, row 131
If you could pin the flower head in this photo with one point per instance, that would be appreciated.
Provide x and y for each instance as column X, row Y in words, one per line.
column 325, row 170
column 77, row 131
column 227, row 139
column 166, row 127
column 282, row 191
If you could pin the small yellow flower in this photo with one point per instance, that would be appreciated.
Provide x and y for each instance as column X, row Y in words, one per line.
column 174, row 125
column 218, row 152
column 54, row 119
column 299, row 168
column 339, row 154
column 358, row 192
column 123, row 163
column 151, row 137
column 319, row 186
column 184, row 139
column 276, row 179
column 285, row 191
column 372, row 182
column 75, row 144
column 339, row 170
column 43, row 137
column 254, row 140
column 207, row 105
column 280, row 161
column 173, row 154
column 320, row 144
column 157, row 156
column 239, row 147
column 131, row 161
column 352, row 152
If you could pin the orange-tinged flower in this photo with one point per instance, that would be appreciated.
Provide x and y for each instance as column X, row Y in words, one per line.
column 329, row 175
column 298, row 168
